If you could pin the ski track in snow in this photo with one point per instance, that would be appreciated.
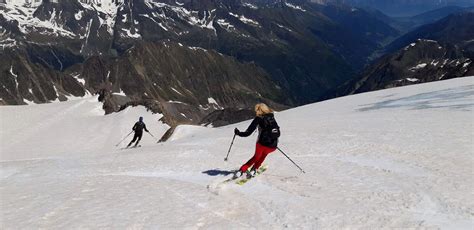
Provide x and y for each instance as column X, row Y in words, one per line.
column 397, row 158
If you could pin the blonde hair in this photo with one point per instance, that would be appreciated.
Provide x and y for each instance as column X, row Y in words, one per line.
column 262, row 109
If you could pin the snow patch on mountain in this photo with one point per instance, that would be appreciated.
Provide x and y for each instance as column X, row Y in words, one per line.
column 177, row 102
column 152, row 19
column 175, row 90
column 80, row 80
column 427, row 40
column 108, row 10
column 8, row 42
column 211, row 101
column 196, row 48
column 245, row 19
column 15, row 76
column 412, row 79
column 409, row 46
column 28, row 102
column 466, row 64
column 56, row 92
column 130, row 34
column 295, row 7
column 120, row 93
column 434, row 62
column 419, row 66
column 284, row 27
column 206, row 21
column 27, row 23
column 249, row 5
column 191, row 17
column 85, row 37
column 24, row 3
column 226, row 25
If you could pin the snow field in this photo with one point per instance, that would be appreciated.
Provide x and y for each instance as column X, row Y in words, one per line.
column 397, row 158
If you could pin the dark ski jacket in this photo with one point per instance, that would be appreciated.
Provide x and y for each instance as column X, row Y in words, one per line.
column 139, row 127
column 258, row 122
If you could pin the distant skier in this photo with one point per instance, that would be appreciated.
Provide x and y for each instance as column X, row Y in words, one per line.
column 138, row 128
column 268, row 133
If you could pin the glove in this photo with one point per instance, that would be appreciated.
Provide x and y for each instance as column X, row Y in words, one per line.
column 147, row 131
column 236, row 131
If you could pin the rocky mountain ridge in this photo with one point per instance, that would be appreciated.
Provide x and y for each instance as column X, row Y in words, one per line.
column 218, row 54
column 433, row 52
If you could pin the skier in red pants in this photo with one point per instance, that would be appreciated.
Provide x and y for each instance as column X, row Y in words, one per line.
column 268, row 133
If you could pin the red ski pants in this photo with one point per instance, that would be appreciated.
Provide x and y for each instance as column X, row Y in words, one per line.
column 261, row 153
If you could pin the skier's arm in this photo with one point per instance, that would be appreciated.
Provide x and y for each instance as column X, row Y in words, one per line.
column 250, row 129
column 144, row 127
column 134, row 127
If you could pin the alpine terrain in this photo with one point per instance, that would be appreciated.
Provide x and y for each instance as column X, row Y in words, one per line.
column 236, row 114
column 193, row 61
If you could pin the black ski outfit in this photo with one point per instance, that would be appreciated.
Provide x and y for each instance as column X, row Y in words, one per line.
column 264, row 138
column 138, row 128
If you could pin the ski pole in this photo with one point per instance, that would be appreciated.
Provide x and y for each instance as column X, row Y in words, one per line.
column 124, row 138
column 291, row 160
column 152, row 135
column 225, row 159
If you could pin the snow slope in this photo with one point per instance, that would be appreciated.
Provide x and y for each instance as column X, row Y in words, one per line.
column 394, row 158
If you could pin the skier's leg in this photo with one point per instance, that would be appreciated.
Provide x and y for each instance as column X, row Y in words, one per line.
column 265, row 152
column 247, row 165
column 261, row 149
column 133, row 140
column 139, row 138
column 256, row 156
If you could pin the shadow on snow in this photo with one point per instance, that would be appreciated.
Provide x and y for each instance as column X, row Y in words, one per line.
column 217, row 172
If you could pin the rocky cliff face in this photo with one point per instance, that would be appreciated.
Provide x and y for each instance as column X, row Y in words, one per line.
column 186, row 83
column 421, row 61
column 24, row 80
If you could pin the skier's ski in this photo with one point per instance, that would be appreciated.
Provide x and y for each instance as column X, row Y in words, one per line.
column 238, row 179
column 245, row 180
column 233, row 178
